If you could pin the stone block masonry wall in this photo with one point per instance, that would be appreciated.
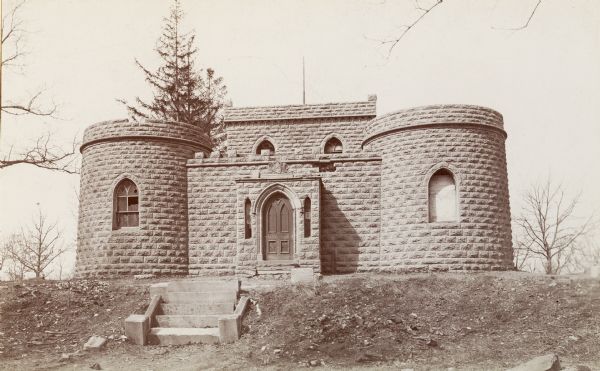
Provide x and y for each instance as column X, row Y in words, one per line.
column 301, row 129
column 344, row 193
column 369, row 204
column 351, row 217
column 306, row 248
column 213, row 216
column 468, row 141
column 153, row 155
column 218, row 189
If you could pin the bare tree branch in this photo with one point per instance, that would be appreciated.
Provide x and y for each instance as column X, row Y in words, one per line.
column 31, row 107
column 44, row 156
column 424, row 12
column 526, row 24
column 12, row 34
column 12, row 53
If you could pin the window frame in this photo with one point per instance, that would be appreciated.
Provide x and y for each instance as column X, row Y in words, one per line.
column 261, row 143
column 443, row 171
column 333, row 152
column 247, row 219
column 117, row 196
column 307, row 209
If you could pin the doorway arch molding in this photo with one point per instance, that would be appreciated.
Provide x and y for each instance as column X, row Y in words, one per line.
column 257, row 211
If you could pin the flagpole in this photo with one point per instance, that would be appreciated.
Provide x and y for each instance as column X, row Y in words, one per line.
column 303, row 83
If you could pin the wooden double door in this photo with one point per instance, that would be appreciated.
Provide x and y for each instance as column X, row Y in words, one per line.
column 278, row 228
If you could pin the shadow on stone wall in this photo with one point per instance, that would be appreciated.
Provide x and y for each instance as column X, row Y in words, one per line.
column 340, row 243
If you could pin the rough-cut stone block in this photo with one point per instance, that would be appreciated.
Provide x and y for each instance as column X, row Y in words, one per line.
column 95, row 343
column 183, row 336
column 228, row 329
column 136, row 328
column 548, row 362
column 159, row 288
column 302, row 275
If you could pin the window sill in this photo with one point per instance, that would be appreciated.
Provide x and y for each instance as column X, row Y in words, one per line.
column 448, row 224
column 126, row 230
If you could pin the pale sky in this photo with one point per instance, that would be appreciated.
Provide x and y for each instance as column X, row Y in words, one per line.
column 544, row 79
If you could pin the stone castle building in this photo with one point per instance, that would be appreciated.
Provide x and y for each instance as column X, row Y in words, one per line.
column 327, row 186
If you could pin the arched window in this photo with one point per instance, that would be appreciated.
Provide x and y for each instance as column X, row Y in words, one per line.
column 442, row 197
column 265, row 145
column 333, row 145
column 307, row 217
column 247, row 226
column 126, row 205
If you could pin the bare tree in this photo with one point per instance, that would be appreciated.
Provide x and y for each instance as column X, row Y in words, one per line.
column 3, row 256
column 548, row 227
column 589, row 255
column 37, row 246
column 14, row 269
column 62, row 270
column 522, row 256
column 41, row 154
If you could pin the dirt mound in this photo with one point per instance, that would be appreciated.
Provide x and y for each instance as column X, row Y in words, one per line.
column 59, row 316
column 488, row 321
column 448, row 319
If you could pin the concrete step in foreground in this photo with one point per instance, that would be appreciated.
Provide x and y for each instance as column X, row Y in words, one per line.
column 195, row 286
column 182, row 336
column 188, row 311
column 223, row 296
column 197, row 308
column 188, row 320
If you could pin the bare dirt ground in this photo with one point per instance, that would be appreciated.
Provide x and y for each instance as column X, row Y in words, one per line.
column 484, row 321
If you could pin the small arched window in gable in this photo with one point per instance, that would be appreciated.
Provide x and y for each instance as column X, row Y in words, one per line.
column 247, row 225
column 333, row 145
column 265, row 148
column 443, row 206
column 307, row 217
column 126, row 205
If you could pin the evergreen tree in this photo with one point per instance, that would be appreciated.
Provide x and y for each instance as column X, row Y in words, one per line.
column 180, row 92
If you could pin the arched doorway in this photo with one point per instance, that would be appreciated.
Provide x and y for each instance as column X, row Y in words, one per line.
column 278, row 228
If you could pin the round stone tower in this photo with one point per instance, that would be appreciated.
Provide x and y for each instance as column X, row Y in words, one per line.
column 133, row 197
column 444, row 188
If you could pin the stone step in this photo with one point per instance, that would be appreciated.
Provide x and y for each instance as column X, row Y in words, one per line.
column 182, row 336
column 188, row 320
column 271, row 272
column 278, row 263
column 194, row 286
column 224, row 296
column 197, row 308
